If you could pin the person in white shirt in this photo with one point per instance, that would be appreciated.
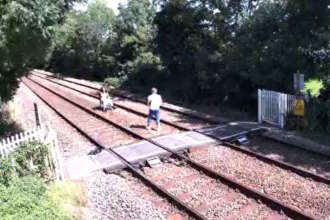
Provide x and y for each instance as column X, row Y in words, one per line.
column 154, row 103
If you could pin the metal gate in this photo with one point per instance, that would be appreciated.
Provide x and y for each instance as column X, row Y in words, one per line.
column 274, row 106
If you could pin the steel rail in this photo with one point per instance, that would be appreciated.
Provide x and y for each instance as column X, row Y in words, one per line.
column 287, row 166
column 278, row 163
column 270, row 201
column 193, row 212
column 210, row 120
column 118, row 105
column 189, row 114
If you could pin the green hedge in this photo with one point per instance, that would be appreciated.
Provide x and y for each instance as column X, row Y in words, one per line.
column 26, row 198
column 23, row 188
column 18, row 164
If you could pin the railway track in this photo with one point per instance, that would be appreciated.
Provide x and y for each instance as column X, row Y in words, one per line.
column 206, row 118
column 201, row 116
column 48, row 96
column 138, row 108
column 92, row 93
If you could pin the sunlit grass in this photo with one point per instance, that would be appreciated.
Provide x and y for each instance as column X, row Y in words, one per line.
column 70, row 196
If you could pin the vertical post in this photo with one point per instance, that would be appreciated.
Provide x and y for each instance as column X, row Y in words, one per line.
column 286, row 96
column 280, row 110
column 283, row 109
column 36, row 113
column 259, row 106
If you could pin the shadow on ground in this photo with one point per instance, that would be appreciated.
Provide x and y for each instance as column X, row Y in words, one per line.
column 289, row 154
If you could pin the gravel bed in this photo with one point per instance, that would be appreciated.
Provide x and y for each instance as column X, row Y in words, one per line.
column 119, row 197
column 306, row 160
column 309, row 196
column 168, row 115
column 210, row 197
column 127, row 119
column 65, row 133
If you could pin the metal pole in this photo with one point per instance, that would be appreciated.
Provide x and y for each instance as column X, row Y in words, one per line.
column 36, row 114
column 259, row 106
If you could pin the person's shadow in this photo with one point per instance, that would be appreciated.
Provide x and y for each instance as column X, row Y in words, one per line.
column 138, row 126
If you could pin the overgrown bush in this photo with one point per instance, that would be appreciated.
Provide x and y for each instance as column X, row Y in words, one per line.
column 318, row 115
column 29, row 159
column 9, row 113
column 26, row 198
column 115, row 82
column 314, row 87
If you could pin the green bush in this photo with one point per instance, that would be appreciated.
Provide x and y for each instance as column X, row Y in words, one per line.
column 314, row 87
column 114, row 82
column 7, row 171
column 26, row 198
column 19, row 162
column 318, row 115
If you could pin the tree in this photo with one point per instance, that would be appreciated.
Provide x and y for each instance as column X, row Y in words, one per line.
column 79, row 41
column 193, row 38
column 134, row 33
column 26, row 28
column 277, row 40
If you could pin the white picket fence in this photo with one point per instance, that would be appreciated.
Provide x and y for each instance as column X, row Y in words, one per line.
column 273, row 107
column 44, row 134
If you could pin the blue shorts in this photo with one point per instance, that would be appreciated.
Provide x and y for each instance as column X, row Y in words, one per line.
column 153, row 114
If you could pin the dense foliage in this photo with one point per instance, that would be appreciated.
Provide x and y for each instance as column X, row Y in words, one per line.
column 78, row 43
column 30, row 158
column 207, row 50
column 23, row 191
column 216, row 52
column 26, row 198
column 26, row 28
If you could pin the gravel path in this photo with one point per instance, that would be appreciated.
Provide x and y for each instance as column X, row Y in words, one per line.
column 71, row 142
column 309, row 196
column 125, row 197
column 293, row 155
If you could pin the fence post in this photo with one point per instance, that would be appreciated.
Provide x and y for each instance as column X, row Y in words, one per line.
column 259, row 106
column 36, row 113
column 55, row 153
column 280, row 108
column 283, row 109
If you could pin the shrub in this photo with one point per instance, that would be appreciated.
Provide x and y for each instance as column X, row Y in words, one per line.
column 6, row 171
column 115, row 82
column 318, row 115
column 314, row 87
column 26, row 198
column 29, row 159
column 8, row 115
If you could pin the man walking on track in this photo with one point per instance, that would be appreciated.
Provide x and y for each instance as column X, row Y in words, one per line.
column 154, row 103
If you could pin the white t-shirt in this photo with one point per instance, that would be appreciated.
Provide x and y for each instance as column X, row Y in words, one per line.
column 154, row 101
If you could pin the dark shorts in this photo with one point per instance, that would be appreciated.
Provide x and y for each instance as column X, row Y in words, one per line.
column 153, row 114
